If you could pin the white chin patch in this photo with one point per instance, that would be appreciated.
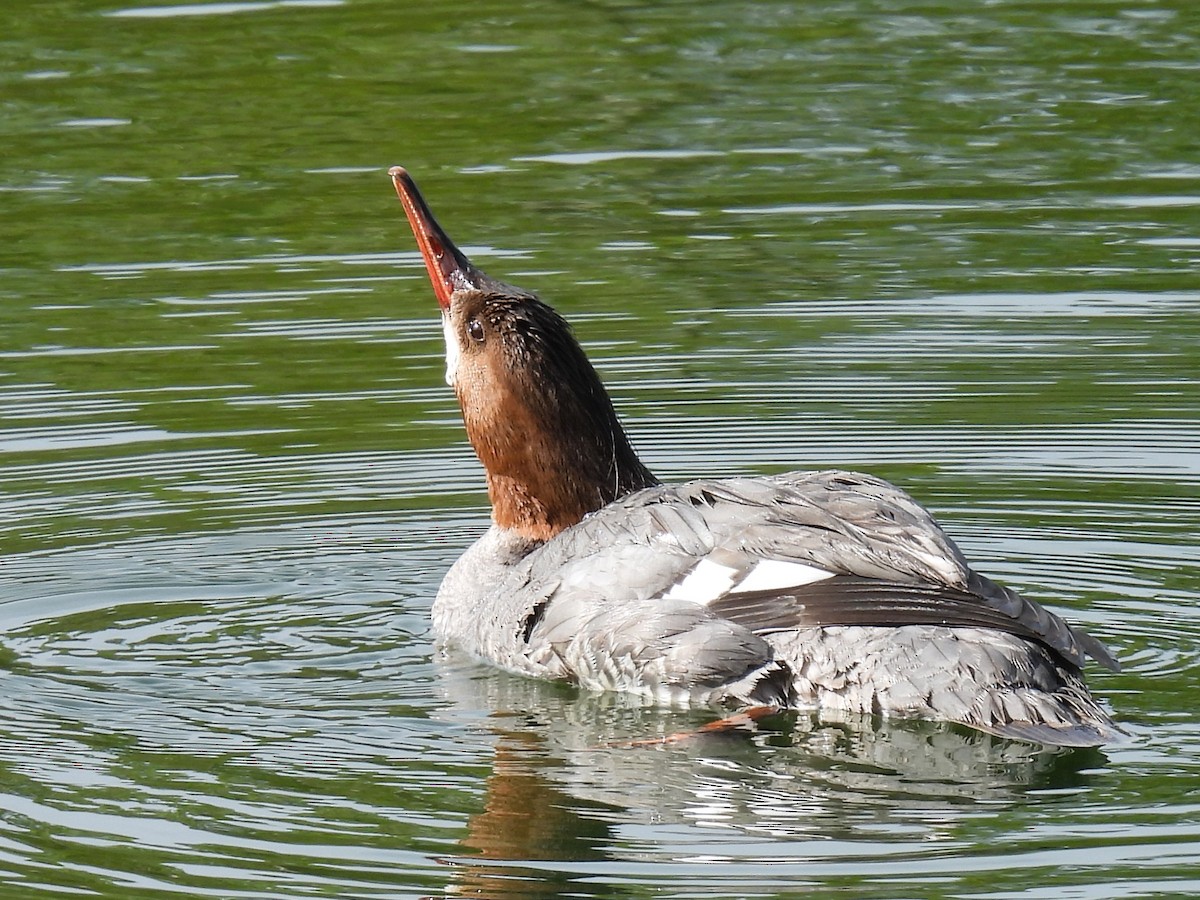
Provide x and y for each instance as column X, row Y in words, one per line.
column 452, row 350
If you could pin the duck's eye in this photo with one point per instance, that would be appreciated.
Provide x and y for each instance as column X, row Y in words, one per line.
column 475, row 330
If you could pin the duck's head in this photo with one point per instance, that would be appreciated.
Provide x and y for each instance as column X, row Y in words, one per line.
column 534, row 408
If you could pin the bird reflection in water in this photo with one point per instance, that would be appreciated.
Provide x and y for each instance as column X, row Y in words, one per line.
column 574, row 784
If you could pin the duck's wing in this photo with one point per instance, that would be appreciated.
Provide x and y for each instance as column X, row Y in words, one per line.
column 889, row 563
column 850, row 600
column 795, row 551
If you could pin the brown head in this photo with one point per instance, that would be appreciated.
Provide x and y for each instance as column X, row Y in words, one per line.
column 535, row 410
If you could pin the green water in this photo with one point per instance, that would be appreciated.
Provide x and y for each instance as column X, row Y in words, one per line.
column 953, row 244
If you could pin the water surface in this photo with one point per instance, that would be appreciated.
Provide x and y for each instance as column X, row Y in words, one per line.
column 955, row 245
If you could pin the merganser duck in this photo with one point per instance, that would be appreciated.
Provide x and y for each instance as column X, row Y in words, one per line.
column 828, row 590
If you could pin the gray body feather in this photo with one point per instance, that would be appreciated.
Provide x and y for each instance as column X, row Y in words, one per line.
column 893, row 622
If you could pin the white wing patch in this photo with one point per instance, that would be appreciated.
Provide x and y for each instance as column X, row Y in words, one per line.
column 774, row 574
column 709, row 580
column 705, row 583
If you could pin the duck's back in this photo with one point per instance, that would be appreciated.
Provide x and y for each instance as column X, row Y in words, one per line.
column 818, row 589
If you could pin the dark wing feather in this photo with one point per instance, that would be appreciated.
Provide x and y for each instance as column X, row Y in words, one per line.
column 853, row 600
column 1073, row 643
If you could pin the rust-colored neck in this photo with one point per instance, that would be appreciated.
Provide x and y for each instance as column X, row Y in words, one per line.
column 535, row 410
column 539, row 419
